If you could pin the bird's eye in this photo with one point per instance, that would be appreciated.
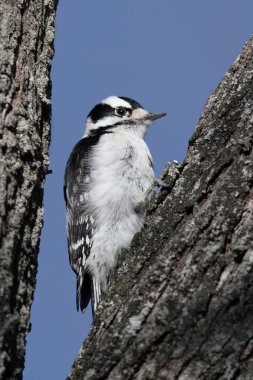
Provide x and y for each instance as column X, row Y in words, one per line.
column 120, row 112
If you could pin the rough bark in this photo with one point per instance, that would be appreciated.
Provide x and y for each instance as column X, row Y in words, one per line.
column 181, row 305
column 26, row 34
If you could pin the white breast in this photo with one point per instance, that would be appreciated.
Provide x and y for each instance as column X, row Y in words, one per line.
column 121, row 179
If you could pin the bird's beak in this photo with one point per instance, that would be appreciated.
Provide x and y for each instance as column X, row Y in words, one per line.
column 155, row 116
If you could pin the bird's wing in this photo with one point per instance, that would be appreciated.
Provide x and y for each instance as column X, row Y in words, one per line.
column 80, row 222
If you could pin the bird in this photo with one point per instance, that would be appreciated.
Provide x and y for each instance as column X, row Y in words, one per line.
column 108, row 184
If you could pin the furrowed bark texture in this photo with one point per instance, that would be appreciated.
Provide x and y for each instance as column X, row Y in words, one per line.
column 181, row 305
column 26, row 34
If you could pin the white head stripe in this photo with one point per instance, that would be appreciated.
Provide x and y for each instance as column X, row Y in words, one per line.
column 116, row 102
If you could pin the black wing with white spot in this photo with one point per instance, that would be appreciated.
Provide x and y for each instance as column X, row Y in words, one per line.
column 80, row 224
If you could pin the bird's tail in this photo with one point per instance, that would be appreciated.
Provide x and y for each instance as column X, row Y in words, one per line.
column 83, row 290
column 95, row 294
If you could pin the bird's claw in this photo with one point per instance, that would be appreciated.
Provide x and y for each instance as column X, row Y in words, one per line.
column 160, row 183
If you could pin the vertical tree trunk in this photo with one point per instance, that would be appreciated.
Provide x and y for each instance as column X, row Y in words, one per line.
column 181, row 305
column 26, row 35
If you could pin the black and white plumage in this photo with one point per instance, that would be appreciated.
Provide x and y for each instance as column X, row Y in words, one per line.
column 108, row 182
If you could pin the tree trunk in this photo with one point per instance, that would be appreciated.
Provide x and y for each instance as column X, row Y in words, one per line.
column 26, row 34
column 181, row 305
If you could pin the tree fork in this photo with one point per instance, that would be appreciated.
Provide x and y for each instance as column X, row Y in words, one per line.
column 26, row 34
column 181, row 304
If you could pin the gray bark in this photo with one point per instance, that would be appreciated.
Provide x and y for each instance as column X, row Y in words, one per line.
column 26, row 34
column 181, row 304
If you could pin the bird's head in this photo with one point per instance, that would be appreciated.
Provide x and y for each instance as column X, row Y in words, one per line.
column 119, row 111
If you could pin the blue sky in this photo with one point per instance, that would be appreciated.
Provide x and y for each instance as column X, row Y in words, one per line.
column 167, row 55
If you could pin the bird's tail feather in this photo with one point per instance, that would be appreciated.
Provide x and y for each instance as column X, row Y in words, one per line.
column 83, row 290
column 95, row 294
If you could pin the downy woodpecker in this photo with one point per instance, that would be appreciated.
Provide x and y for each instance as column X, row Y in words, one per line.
column 108, row 182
